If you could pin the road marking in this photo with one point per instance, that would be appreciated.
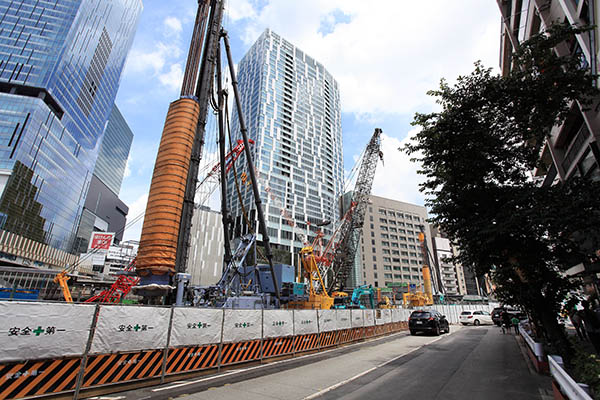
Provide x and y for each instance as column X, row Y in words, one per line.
column 238, row 371
column 337, row 385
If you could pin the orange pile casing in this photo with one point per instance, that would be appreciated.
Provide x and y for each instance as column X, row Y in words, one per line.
column 158, row 243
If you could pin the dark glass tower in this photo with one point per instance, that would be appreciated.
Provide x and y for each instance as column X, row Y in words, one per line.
column 60, row 66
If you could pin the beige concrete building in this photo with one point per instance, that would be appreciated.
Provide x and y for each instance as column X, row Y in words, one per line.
column 390, row 251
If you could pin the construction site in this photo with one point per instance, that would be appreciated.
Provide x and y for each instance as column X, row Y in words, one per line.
column 153, row 325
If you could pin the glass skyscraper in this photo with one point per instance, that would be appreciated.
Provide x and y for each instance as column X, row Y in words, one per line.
column 60, row 66
column 114, row 151
column 291, row 106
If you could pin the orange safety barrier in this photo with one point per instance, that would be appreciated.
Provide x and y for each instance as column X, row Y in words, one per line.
column 103, row 369
column 158, row 242
column 233, row 353
column 369, row 331
column 344, row 336
column 306, row 342
column 328, row 339
column 32, row 378
column 277, row 346
column 192, row 358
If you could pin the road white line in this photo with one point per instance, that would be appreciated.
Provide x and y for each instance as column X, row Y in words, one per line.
column 237, row 371
column 337, row 385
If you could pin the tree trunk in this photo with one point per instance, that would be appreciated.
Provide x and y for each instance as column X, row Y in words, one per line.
column 555, row 332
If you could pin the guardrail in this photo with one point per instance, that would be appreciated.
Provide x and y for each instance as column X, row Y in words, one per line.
column 535, row 351
column 563, row 383
column 50, row 348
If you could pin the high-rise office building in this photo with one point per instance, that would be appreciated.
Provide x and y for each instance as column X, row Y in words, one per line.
column 60, row 66
column 390, row 252
column 291, row 106
column 103, row 210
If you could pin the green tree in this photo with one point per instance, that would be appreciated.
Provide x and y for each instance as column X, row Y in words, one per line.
column 477, row 154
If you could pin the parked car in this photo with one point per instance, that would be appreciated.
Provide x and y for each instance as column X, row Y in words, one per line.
column 428, row 321
column 475, row 318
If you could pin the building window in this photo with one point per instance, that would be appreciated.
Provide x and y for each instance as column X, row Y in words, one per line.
column 387, row 267
column 375, row 275
column 374, row 258
column 387, row 276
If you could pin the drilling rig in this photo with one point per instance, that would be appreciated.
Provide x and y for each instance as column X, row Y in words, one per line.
column 165, row 240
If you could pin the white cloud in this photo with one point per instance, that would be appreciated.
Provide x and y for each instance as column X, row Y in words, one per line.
column 239, row 9
column 387, row 56
column 143, row 62
column 173, row 78
column 135, row 218
column 397, row 177
column 127, row 171
column 173, row 25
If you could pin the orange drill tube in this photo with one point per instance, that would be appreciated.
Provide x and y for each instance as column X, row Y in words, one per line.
column 158, row 242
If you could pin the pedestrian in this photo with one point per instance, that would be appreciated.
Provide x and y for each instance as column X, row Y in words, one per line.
column 577, row 321
column 515, row 323
column 506, row 322
column 592, row 325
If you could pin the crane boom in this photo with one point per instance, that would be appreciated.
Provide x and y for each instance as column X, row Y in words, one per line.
column 352, row 226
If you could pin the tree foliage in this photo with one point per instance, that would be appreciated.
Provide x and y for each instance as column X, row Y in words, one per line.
column 477, row 154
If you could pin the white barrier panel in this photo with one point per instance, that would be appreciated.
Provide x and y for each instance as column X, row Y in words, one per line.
column 42, row 330
column 369, row 317
column 278, row 323
column 327, row 320
column 305, row 322
column 343, row 319
column 358, row 320
column 386, row 316
column 130, row 328
column 396, row 315
column 242, row 325
column 196, row 326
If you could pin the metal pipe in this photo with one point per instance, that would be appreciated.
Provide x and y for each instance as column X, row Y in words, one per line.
column 257, row 201
column 203, row 93
column 224, row 213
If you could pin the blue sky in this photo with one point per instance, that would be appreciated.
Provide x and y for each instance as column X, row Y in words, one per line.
column 385, row 54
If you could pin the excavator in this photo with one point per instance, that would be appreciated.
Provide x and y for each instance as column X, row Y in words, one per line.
column 360, row 291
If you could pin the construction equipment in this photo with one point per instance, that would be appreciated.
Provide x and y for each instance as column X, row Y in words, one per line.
column 165, row 239
column 317, row 295
column 360, row 291
column 419, row 299
column 61, row 279
column 120, row 288
column 212, row 177
column 351, row 228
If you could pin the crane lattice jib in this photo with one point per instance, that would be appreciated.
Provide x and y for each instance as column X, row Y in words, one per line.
column 352, row 227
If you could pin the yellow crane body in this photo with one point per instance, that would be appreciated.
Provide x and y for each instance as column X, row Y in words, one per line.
column 318, row 299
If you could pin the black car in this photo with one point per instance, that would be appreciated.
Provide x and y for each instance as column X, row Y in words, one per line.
column 428, row 321
column 497, row 314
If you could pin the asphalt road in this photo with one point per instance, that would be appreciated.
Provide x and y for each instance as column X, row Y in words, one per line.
column 469, row 363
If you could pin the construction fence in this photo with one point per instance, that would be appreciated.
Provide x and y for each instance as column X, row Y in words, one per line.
column 51, row 348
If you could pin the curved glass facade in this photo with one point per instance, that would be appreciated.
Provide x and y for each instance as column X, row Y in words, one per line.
column 60, row 65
